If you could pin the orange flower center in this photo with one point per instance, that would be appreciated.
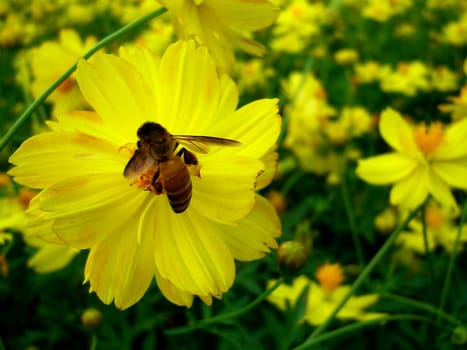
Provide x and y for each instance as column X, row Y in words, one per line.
column 66, row 86
column 434, row 218
column 330, row 276
column 428, row 137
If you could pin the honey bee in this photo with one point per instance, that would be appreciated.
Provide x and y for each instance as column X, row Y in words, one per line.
column 156, row 149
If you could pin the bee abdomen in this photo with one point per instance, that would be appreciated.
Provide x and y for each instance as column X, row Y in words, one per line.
column 177, row 184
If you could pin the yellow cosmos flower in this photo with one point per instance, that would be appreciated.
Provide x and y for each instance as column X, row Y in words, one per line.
column 426, row 160
column 321, row 302
column 222, row 25
column 133, row 233
column 50, row 60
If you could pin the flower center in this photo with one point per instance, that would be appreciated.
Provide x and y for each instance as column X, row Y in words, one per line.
column 330, row 276
column 434, row 218
column 428, row 137
column 65, row 86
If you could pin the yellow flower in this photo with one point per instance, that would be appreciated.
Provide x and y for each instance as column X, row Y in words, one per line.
column 346, row 56
column 426, row 160
column 370, row 71
column 441, row 230
column 321, row 303
column 382, row 10
column 222, row 25
column 297, row 24
column 408, row 79
column 458, row 107
column 130, row 228
column 443, row 79
column 50, row 60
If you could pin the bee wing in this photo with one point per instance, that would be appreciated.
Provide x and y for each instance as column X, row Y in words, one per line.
column 138, row 164
column 201, row 143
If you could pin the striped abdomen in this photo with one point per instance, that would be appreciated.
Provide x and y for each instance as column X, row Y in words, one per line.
column 177, row 183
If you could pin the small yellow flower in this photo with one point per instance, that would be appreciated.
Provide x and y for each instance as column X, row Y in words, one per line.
column 426, row 160
column 408, row 78
column 222, row 25
column 458, row 107
column 441, row 230
column 443, row 79
column 346, row 56
column 370, row 71
column 50, row 60
column 321, row 303
column 130, row 228
column 382, row 10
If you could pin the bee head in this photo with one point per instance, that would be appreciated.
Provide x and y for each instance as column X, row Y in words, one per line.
column 156, row 140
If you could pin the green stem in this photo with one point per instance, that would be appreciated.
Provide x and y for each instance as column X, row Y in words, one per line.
column 226, row 316
column 447, row 281
column 351, row 328
column 352, row 223
column 422, row 306
column 428, row 254
column 364, row 274
column 108, row 39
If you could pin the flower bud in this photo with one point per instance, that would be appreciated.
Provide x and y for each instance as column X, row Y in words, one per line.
column 291, row 255
column 91, row 318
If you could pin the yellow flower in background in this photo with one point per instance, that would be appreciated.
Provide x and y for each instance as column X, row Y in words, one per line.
column 49, row 257
column 370, row 71
column 454, row 32
column 222, row 25
column 346, row 56
column 382, row 10
column 297, row 25
column 443, row 79
column 458, row 107
column 441, row 230
column 426, row 160
column 129, row 226
column 408, row 79
column 251, row 74
column 323, row 298
column 50, row 60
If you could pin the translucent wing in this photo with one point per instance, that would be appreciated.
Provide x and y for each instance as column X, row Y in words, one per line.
column 138, row 164
column 201, row 143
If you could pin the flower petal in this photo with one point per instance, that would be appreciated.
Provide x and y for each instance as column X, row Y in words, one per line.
column 87, row 209
column 117, row 92
column 386, row 168
column 412, row 190
column 173, row 294
column 189, row 253
column 191, row 92
column 453, row 172
column 119, row 268
column 225, row 189
column 441, row 191
column 396, row 131
column 256, row 125
column 455, row 142
column 255, row 234
column 47, row 158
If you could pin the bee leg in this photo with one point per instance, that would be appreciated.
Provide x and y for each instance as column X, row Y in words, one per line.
column 156, row 183
column 188, row 157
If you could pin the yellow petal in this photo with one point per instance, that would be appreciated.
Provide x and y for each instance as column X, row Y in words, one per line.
column 396, row 131
column 85, row 210
column 453, row 172
column 189, row 253
column 173, row 294
column 191, row 90
column 270, row 168
column 256, row 233
column 51, row 257
column 225, row 189
column 386, row 168
column 47, row 158
column 117, row 92
column 121, row 269
column 440, row 190
column 412, row 190
column 454, row 144
column 256, row 125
